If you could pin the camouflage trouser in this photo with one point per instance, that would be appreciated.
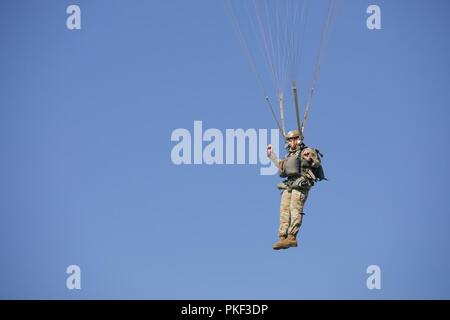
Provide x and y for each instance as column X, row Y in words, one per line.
column 291, row 211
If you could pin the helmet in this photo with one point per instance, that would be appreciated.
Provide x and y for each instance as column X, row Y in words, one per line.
column 292, row 134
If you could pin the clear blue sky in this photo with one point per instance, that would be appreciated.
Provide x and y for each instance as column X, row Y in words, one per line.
column 86, row 176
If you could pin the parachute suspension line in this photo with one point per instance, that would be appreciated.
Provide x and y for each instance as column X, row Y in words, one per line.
column 305, row 115
column 251, row 61
column 290, row 39
column 245, row 47
column 286, row 17
column 280, row 99
column 324, row 37
column 285, row 24
column 280, row 27
column 276, row 24
column 278, row 42
column 297, row 46
column 287, row 33
column 274, row 116
column 266, row 40
column 297, row 112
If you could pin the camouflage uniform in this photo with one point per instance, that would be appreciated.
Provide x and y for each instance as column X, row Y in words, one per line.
column 291, row 211
column 295, row 192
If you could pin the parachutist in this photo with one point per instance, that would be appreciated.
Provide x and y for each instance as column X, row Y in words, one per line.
column 302, row 167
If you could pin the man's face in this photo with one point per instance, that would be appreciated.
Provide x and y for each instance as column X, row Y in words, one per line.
column 292, row 142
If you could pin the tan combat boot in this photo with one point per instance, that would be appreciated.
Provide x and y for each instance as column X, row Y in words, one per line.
column 291, row 240
column 281, row 244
